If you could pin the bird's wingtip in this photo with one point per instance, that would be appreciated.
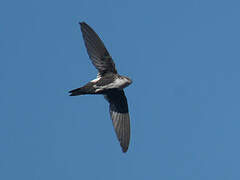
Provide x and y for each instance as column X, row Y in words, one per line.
column 124, row 149
column 81, row 23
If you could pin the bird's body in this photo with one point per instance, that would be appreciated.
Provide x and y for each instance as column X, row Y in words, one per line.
column 108, row 83
column 101, row 85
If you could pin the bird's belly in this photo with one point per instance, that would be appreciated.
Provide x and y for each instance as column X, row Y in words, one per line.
column 116, row 84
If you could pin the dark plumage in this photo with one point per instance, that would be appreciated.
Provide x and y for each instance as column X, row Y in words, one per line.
column 108, row 83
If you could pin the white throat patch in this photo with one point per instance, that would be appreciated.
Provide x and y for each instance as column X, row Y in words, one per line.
column 118, row 83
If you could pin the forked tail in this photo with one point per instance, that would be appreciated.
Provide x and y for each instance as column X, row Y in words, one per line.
column 87, row 89
column 77, row 92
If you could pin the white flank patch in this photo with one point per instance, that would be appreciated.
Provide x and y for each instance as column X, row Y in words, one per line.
column 95, row 80
column 98, row 77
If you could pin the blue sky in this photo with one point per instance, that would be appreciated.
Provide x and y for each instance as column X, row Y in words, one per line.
column 183, row 57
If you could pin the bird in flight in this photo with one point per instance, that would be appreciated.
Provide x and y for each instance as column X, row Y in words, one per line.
column 108, row 83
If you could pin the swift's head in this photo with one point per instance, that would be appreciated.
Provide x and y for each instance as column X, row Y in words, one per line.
column 127, row 81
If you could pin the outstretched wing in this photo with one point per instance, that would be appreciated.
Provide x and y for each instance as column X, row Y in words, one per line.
column 120, row 116
column 97, row 52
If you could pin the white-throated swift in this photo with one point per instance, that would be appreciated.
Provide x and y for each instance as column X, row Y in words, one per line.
column 108, row 83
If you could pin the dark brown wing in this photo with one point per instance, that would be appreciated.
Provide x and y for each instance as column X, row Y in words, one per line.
column 120, row 116
column 97, row 52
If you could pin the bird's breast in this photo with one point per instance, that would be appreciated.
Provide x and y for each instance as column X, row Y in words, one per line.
column 121, row 83
column 118, row 83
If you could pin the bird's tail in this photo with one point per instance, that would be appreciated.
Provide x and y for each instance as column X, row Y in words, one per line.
column 77, row 92
column 86, row 89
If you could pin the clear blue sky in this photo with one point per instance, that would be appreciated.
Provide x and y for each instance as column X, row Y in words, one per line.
column 184, row 59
